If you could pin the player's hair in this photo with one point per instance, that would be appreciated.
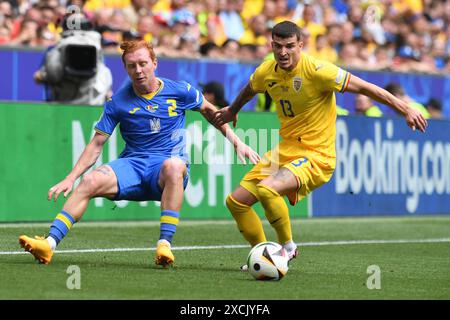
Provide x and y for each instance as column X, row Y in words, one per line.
column 287, row 29
column 133, row 45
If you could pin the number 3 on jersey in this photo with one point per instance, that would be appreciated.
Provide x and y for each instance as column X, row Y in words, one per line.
column 172, row 107
column 286, row 106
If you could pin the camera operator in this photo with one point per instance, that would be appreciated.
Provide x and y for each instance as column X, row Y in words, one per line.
column 73, row 70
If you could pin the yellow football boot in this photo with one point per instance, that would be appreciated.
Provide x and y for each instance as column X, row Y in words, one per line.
column 38, row 247
column 164, row 256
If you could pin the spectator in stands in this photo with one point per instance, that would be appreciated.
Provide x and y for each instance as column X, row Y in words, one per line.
column 334, row 36
column 283, row 11
column 256, row 34
column 347, row 31
column 214, row 92
column 323, row 50
column 419, row 35
column 46, row 38
column 439, row 55
column 6, row 22
column 186, row 27
column 262, row 51
column 231, row 19
column 307, row 22
column 247, row 52
column 110, row 38
column 189, row 47
column 355, row 17
column 270, row 12
column 397, row 91
column 409, row 57
column 28, row 33
column 230, row 49
column 148, row 28
column 136, row 10
column 100, row 18
column 6, row 9
column 5, row 37
column 382, row 58
column 211, row 26
column 167, row 44
column 349, row 56
column 434, row 107
column 364, row 106
column 210, row 50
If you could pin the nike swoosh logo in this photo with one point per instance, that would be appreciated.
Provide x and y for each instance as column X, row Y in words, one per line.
column 272, row 84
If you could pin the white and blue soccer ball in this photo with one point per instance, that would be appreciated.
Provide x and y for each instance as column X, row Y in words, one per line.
column 268, row 261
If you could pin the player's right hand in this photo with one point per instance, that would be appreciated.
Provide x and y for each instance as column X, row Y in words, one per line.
column 244, row 151
column 64, row 186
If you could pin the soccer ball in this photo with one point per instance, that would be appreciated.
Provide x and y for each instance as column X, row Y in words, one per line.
column 268, row 261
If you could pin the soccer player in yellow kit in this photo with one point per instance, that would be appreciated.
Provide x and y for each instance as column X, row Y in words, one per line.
column 303, row 89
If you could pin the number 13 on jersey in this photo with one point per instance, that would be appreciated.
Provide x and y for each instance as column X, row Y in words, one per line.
column 286, row 106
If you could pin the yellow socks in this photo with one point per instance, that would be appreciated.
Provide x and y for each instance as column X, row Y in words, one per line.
column 276, row 212
column 247, row 221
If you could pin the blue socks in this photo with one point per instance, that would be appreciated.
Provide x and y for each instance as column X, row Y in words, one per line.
column 169, row 221
column 61, row 226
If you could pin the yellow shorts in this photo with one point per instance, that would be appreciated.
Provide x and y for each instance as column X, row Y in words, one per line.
column 312, row 169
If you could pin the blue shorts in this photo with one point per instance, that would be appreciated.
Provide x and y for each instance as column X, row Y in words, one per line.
column 137, row 178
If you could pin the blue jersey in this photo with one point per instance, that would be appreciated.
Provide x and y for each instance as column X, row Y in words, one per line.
column 152, row 123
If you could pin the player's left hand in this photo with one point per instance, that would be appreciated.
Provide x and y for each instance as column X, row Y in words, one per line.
column 415, row 120
column 244, row 151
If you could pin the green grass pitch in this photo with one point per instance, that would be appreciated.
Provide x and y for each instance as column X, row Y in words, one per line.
column 412, row 253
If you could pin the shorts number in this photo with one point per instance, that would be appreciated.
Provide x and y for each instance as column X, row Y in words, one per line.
column 299, row 162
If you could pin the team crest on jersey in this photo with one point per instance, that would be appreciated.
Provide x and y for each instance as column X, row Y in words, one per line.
column 155, row 125
column 297, row 83
column 151, row 109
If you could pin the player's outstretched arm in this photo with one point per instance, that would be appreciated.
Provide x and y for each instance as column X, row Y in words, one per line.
column 414, row 118
column 229, row 113
column 86, row 160
column 243, row 151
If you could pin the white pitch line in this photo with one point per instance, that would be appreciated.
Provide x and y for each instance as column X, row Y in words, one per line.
column 239, row 246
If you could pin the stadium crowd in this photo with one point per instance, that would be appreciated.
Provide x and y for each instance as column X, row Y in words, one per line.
column 398, row 35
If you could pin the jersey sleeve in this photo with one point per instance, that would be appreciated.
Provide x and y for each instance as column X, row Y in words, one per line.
column 330, row 77
column 108, row 121
column 193, row 97
column 257, row 78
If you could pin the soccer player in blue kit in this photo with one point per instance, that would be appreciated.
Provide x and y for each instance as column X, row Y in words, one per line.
column 153, row 165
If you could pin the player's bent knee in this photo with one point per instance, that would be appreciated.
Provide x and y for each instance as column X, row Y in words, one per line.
column 93, row 185
column 232, row 203
column 87, row 185
column 266, row 192
column 235, row 206
column 173, row 169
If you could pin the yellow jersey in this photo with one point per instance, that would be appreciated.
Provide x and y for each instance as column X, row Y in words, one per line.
column 305, row 100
